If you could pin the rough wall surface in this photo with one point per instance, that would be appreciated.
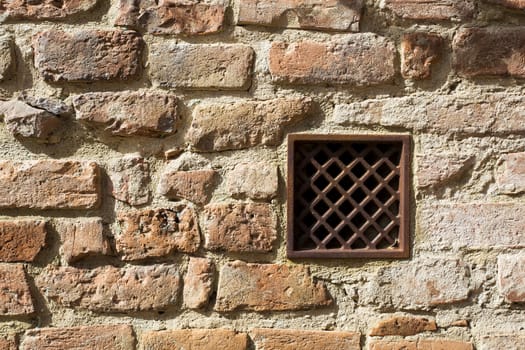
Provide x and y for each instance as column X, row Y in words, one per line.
column 143, row 167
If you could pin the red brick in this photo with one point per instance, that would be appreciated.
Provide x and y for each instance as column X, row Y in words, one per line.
column 49, row 184
column 462, row 113
column 81, row 238
column 438, row 169
column 7, row 57
column 171, row 17
column 118, row 337
column 8, row 343
column 55, row 106
column 198, row 283
column 21, row 240
column 454, row 10
column 268, row 287
column 360, row 60
column 195, row 186
column 392, row 345
column 129, row 113
column 493, row 51
column 257, row 180
column 511, row 277
column 419, row 52
column 502, row 341
column 85, row 56
column 15, row 296
column 157, row 233
column 472, row 225
column 20, row 9
column 403, row 325
column 459, row 323
column 130, row 179
column 340, row 15
column 195, row 339
column 424, row 283
column 112, row 289
column 205, row 67
column 292, row 339
column 517, row 4
column 422, row 344
column 510, row 177
column 220, row 127
column 247, row 227
column 23, row 120
column 441, row 344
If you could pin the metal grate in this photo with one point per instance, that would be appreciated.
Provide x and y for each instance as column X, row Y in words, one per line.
column 348, row 196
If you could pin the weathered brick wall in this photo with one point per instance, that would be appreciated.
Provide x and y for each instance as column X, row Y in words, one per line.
column 143, row 163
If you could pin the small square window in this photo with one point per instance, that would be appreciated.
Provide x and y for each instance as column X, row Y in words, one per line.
column 348, row 196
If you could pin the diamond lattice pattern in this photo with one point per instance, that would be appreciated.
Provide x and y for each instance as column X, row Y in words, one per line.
column 347, row 195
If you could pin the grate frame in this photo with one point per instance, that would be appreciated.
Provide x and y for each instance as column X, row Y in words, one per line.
column 295, row 232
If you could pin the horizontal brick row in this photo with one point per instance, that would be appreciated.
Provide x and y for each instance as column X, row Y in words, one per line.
column 457, row 113
column 147, row 234
column 70, row 184
column 418, row 285
column 189, row 18
column 244, row 227
column 240, row 125
column 251, row 123
column 122, row 337
column 360, row 60
column 264, row 286
column 158, row 287
column 206, row 18
column 215, row 126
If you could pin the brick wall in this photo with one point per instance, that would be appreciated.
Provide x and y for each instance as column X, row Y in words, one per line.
column 143, row 167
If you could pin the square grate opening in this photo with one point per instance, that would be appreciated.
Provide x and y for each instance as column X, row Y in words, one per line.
column 348, row 196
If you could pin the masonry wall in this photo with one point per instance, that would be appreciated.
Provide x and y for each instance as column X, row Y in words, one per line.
column 143, row 166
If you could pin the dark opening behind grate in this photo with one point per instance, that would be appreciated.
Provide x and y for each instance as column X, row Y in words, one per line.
column 348, row 196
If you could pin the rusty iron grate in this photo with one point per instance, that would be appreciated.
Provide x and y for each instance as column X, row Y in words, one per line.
column 348, row 196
